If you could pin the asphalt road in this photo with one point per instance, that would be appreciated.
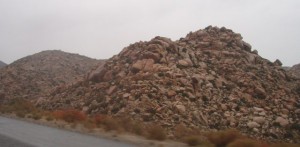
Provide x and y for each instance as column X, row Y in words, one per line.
column 16, row 133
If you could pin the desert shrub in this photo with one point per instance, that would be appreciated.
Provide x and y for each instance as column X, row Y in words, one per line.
column 110, row 124
column 181, row 131
column 285, row 145
column 131, row 126
column 69, row 115
column 107, row 122
column 49, row 118
column 223, row 138
column 98, row 119
column 4, row 109
column 156, row 132
column 193, row 140
column 20, row 114
column 89, row 124
column 21, row 105
column 245, row 143
column 36, row 116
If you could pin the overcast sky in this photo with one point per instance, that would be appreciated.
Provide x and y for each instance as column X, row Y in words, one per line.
column 101, row 29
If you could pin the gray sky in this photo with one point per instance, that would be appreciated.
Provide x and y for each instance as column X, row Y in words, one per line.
column 101, row 29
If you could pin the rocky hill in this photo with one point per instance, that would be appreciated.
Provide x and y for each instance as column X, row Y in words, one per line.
column 36, row 75
column 211, row 79
column 295, row 70
column 2, row 64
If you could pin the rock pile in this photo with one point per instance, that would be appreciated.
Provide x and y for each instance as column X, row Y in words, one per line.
column 211, row 79
column 2, row 64
column 34, row 76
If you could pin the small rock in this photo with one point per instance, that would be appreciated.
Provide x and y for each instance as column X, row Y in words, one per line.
column 180, row 108
column 253, row 124
column 224, row 107
column 126, row 95
column 285, row 111
column 258, row 109
column 171, row 93
column 281, row 121
column 259, row 120
column 185, row 62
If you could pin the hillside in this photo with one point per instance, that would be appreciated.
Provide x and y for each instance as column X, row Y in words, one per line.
column 2, row 64
column 211, row 80
column 36, row 75
column 295, row 70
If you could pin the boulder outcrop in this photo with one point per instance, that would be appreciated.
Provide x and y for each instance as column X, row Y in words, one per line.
column 211, row 79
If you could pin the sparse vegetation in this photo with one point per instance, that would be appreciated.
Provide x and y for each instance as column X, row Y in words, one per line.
column 193, row 140
column 156, row 132
column 192, row 137
column 22, row 108
column 110, row 124
column 223, row 138
column 69, row 115
column 245, row 143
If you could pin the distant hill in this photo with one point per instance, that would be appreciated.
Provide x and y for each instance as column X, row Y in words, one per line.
column 2, row 64
column 36, row 75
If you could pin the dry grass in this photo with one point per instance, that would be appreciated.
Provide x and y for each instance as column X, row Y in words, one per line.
column 285, row 145
column 193, row 140
column 193, row 137
column 70, row 115
column 119, row 124
column 156, row 132
column 131, row 126
column 22, row 109
column 246, row 143
column 110, row 124
column 223, row 138
column 181, row 131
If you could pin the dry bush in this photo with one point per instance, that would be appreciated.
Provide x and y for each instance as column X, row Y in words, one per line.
column 119, row 124
column 223, row 138
column 69, row 115
column 20, row 114
column 89, row 124
column 245, row 143
column 98, row 119
column 49, row 118
column 285, row 145
column 156, row 132
column 3, row 109
column 110, row 124
column 19, row 106
column 131, row 126
column 181, row 131
column 193, row 140
column 36, row 116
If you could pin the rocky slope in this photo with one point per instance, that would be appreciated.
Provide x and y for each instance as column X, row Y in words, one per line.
column 2, row 64
column 211, row 79
column 36, row 75
column 295, row 70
